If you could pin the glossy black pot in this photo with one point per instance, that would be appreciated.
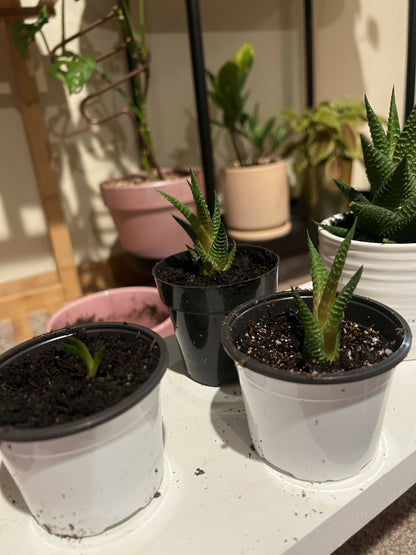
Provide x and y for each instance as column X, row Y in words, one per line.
column 198, row 312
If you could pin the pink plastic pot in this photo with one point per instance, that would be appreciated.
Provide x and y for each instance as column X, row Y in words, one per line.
column 136, row 305
column 143, row 218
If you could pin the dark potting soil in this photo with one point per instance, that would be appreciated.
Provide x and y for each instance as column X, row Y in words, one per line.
column 52, row 388
column 247, row 264
column 278, row 342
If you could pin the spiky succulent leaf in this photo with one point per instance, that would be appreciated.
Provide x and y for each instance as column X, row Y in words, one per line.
column 398, row 190
column 330, row 290
column 334, row 229
column 393, row 126
column 319, row 275
column 79, row 349
column 210, row 251
column 349, row 193
column 377, row 132
column 202, row 212
column 373, row 220
column 332, row 327
column 313, row 345
column 406, row 143
column 378, row 165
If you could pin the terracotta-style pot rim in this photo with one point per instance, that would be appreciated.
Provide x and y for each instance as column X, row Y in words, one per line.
column 357, row 305
column 212, row 288
column 357, row 242
column 255, row 167
column 184, row 175
column 11, row 433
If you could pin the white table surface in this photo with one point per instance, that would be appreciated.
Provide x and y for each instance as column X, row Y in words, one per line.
column 218, row 497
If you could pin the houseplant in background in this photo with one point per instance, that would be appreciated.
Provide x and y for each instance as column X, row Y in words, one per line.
column 325, row 142
column 385, row 239
column 62, row 430
column 141, row 216
column 315, row 385
column 255, row 188
column 201, row 285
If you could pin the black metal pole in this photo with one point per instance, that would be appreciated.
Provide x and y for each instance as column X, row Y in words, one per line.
column 309, row 52
column 198, row 67
column 411, row 57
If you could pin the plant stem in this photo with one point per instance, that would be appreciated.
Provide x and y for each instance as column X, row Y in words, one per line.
column 63, row 25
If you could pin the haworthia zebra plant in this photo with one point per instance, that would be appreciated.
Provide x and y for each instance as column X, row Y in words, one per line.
column 210, row 249
column 389, row 214
column 322, row 325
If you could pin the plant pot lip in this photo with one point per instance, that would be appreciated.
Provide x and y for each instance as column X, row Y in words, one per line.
column 108, row 183
column 254, row 167
column 365, row 244
column 157, row 266
column 325, row 379
column 130, row 289
column 13, row 434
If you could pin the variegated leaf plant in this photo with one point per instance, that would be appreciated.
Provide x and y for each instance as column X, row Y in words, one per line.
column 389, row 212
column 210, row 249
column 322, row 325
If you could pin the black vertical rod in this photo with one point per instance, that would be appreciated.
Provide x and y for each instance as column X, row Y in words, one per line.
column 411, row 57
column 309, row 51
column 198, row 67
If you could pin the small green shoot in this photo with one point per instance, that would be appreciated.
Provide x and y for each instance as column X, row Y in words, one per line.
column 210, row 249
column 79, row 349
column 322, row 325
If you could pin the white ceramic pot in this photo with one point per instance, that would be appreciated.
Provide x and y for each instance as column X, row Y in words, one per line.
column 256, row 201
column 326, row 428
column 82, row 477
column 389, row 273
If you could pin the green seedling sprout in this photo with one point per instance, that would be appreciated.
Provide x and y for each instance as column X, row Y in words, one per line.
column 210, row 249
column 79, row 349
column 322, row 325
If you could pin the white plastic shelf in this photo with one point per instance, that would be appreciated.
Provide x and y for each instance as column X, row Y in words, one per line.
column 217, row 496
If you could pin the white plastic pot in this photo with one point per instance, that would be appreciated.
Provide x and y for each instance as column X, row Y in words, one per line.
column 326, row 428
column 82, row 477
column 389, row 273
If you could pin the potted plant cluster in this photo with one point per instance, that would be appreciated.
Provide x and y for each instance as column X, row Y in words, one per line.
column 141, row 216
column 201, row 285
column 385, row 238
column 324, row 144
column 71, row 402
column 315, row 384
column 255, row 187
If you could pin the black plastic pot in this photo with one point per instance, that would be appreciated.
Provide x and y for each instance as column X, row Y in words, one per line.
column 45, row 342
column 198, row 312
column 361, row 310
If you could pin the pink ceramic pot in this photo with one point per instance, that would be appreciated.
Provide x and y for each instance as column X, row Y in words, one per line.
column 143, row 218
column 137, row 305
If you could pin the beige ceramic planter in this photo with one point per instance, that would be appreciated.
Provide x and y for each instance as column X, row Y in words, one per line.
column 256, row 201
column 143, row 218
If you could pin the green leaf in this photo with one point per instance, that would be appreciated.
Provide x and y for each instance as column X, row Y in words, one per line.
column 24, row 34
column 378, row 166
column 73, row 73
column 393, row 126
column 376, row 129
column 313, row 346
column 335, row 230
column 398, row 190
column 406, row 144
column 202, row 212
column 350, row 193
column 319, row 275
column 372, row 220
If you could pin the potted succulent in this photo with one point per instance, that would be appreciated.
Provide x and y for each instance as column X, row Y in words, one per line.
column 201, row 285
column 324, row 144
column 255, row 187
column 315, row 385
column 72, row 401
column 141, row 216
column 385, row 238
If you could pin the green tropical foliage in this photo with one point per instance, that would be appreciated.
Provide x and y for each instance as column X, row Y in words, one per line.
column 79, row 349
column 388, row 213
column 210, row 249
column 325, row 134
column 75, row 70
column 322, row 325
column 245, row 130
